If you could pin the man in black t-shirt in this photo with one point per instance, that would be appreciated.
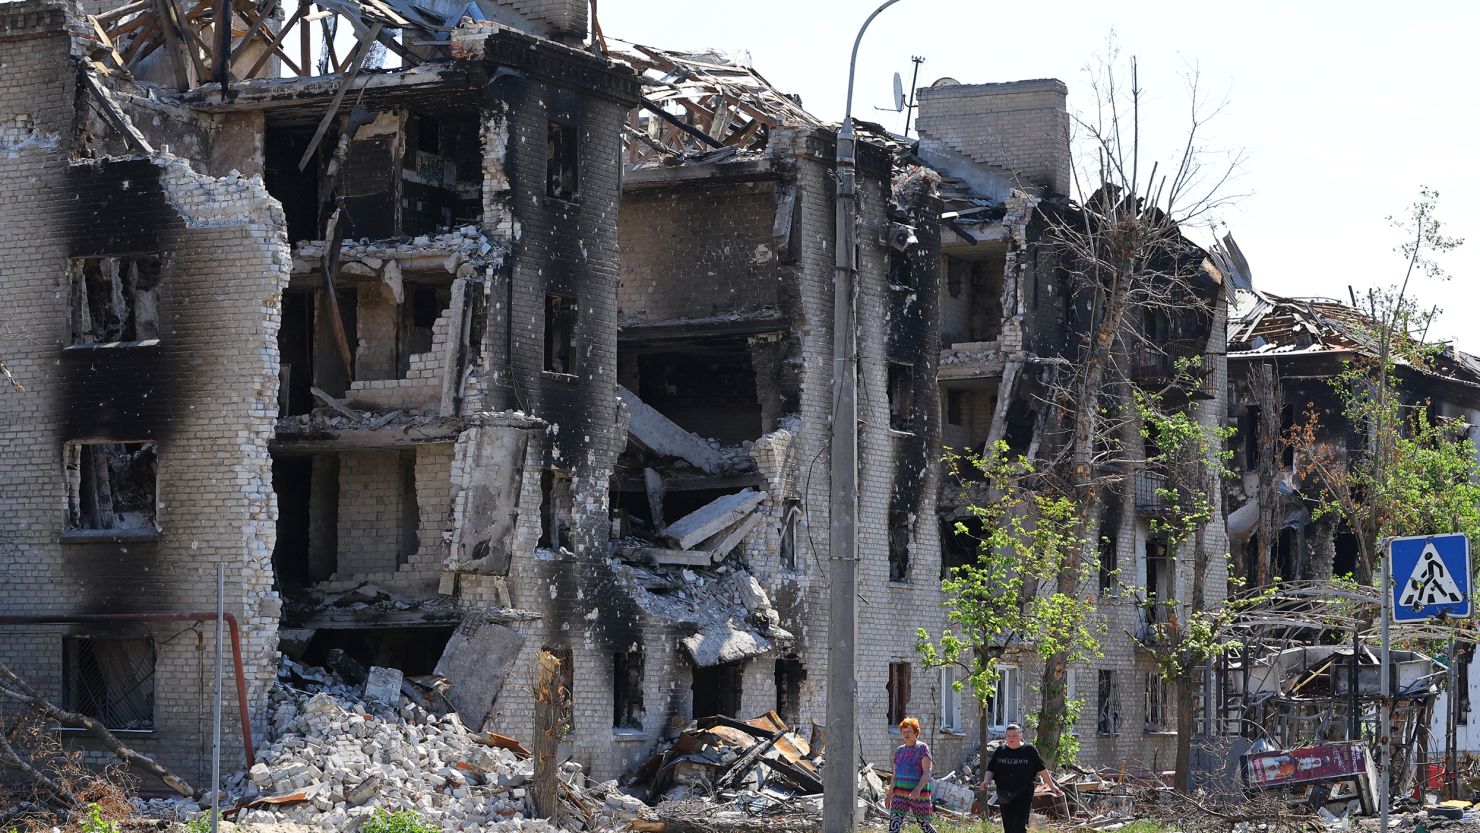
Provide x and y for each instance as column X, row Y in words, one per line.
column 1016, row 767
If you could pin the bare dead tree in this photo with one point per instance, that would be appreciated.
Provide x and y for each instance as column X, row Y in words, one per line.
column 1137, row 283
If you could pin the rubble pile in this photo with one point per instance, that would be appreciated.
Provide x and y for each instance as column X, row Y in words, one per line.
column 335, row 757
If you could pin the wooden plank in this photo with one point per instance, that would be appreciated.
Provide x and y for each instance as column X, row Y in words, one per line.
column 143, row 43
column 272, row 44
column 123, row 11
column 107, row 41
column 333, row 110
column 258, row 21
column 333, row 62
column 180, row 65
column 305, row 54
column 113, row 115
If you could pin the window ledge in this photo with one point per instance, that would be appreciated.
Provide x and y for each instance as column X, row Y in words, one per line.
column 628, row 735
column 68, row 730
column 108, row 345
column 568, row 378
column 1169, row 733
column 902, row 583
column 900, row 432
column 951, row 732
column 107, row 536
column 562, row 203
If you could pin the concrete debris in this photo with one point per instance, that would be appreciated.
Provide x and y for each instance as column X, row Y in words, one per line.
column 662, row 436
column 713, row 518
column 476, row 662
column 334, row 759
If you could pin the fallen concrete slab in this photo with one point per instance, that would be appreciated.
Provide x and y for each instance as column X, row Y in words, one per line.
column 720, row 544
column 476, row 661
column 661, row 435
column 712, row 518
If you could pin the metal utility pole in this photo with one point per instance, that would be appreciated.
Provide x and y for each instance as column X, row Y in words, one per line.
column 840, row 784
column 1384, row 707
column 216, row 700
column 909, row 109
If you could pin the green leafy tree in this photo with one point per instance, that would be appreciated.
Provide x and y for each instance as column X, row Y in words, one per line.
column 1007, row 598
column 1192, row 456
column 1417, row 474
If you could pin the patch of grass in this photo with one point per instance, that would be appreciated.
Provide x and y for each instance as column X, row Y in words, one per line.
column 401, row 821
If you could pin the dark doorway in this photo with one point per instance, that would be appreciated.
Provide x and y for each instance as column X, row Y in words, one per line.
column 413, row 651
column 292, row 479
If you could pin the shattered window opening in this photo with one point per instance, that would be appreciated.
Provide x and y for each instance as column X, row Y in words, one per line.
column 627, row 710
column 111, row 486
column 110, row 679
column 791, row 672
column 955, row 406
column 950, row 700
column 898, row 689
column 791, row 513
column 1158, row 703
column 1108, row 722
column 556, row 507
column 567, row 679
column 716, row 689
column 899, row 546
column 560, row 329
column 410, row 513
column 1159, row 581
column 562, row 161
column 115, row 299
column 1006, row 704
column 901, row 392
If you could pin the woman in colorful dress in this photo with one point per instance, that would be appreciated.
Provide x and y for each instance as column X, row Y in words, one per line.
column 911, row 793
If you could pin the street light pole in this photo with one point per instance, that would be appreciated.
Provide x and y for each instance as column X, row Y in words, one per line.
column 840, row 785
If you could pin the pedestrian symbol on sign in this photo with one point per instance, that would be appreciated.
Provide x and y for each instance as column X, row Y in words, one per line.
column 1428, row 577
column 1430, row 582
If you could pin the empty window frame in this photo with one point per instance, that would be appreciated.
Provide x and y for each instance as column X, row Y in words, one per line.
column 410, row 512
column 899, row 546
column 791, row 516
column 627, row 709
column 111, row 487
column 560, row 332
column 717, row 689
column 898, row 689
column 1006, row 705
column 115, row 299
column 1108, row 720
column 901, row 395
column 110, row 680
column 556, row 508
column 955, row 407
column 562, row 161
column 790, row 674
column 1158, row 703
column 950, row 700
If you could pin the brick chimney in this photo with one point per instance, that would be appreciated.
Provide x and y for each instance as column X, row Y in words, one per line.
column 1020, row 128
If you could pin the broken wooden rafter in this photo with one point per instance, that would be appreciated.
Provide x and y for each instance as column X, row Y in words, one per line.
column 113, row 114
column 349, row 80
column 679, row 123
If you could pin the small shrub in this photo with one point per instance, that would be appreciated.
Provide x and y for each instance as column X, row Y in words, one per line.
column 96, row 822
column 400, row 821
column 199, row 824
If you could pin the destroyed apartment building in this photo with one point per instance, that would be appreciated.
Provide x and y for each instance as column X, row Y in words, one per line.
column 346, row 314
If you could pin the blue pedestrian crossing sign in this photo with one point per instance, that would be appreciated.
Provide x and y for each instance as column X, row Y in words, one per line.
column 1430, row 577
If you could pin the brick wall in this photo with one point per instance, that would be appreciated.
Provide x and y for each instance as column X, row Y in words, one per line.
column 1019, row 127
column 205, row 394
column 696, row 251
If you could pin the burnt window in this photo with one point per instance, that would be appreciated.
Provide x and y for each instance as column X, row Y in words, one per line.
column 1159, row 580
column 560, row 330
column 555, row 509
column 901, row 392
column 790, row 674
column 1249, row 428
column 1109, row 705
column 627, row 711
column 115, row 299
column 899, row 546
column 410, row 514
column 791, row 515
column 1158, row 704
column 955, row 406
column 1109, row 558
column 110, row 680
column 957, row 547
column 716, row 689
column 562, row 161
column 111, row 487
column 898, row 689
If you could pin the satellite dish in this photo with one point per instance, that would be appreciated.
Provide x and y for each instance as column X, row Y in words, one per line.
column 947, row 81
column 898, row 93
